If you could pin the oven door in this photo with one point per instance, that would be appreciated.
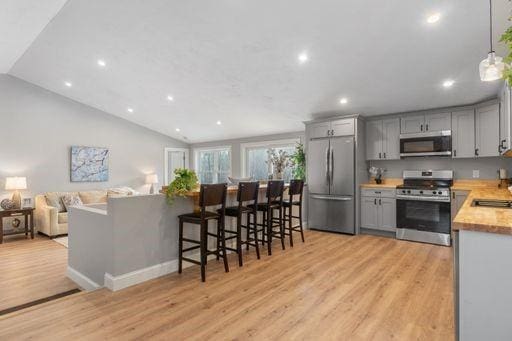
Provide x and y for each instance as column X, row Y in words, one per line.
column 426, row 144
column 428, row 216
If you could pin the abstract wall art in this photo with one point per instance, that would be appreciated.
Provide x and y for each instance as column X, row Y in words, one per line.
column 89, row 164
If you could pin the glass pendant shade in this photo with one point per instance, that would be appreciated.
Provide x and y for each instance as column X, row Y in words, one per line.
column 491, row 68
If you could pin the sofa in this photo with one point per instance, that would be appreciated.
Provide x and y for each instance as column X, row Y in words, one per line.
column 51, row 216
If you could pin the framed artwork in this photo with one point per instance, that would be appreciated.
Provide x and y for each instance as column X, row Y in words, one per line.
column 89, row 164
column 27, row 202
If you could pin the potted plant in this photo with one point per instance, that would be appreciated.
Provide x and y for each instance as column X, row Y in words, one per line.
column 298, row 160
column 185, row 181
column 279, row 160
column 506, row 38
column 377, row 173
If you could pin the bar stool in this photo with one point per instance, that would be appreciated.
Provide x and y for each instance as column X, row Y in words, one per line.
column 247, row 191
column 274, row 198
column 296, row 188
column 209, row 195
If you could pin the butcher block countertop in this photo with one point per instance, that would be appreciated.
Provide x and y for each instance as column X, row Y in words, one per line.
column 483, row 219
column 386, row 183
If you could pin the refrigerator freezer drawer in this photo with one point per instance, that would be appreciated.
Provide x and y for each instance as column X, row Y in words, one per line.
column 331, row 213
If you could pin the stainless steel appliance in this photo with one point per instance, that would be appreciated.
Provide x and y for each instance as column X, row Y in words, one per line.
column 423, row 207
column 436, row 143
column 331, row 184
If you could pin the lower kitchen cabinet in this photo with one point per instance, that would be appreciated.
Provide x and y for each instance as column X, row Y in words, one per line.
column 458, row 198
column 378, row 212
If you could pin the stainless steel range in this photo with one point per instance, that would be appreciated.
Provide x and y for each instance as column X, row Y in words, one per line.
column 423, row 208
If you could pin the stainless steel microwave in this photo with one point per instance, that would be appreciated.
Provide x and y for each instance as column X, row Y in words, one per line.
column 435, row 143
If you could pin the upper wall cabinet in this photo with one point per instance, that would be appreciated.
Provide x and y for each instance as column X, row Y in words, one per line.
column 383, row 139
column 487, row 137
column 425, row 123
column 342, row 127
column 505, row 120
column 463, row 133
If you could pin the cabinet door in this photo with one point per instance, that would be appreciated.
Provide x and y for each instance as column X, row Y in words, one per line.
column 320, row 129
column 391, row 139
column 438, row 122
column 487, row 121
column 369, row 212
column 463, row 134
column 412, row 124
column 505, row 113
column 387, row 214
column 373, row 140
column 343, row 127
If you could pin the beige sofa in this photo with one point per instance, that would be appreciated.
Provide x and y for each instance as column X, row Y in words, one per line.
column 53, row 221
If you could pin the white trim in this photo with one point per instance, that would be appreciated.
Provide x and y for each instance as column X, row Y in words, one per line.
column 115, row 283
column 262, row 144
column 83, row 281
column 166, row 161
column 197, row 150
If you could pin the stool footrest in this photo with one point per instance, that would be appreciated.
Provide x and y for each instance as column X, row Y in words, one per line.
column 191, row 248
column 190, row 241
column 191, row 260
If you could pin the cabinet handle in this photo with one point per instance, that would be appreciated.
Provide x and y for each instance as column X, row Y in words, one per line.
column 421, row 127
column 375, row 201
column 476, row 151
column 380, row 155
column 426, row 127
column 384, row 155
column 453, row 193
column 455, row 152
column 380, row 202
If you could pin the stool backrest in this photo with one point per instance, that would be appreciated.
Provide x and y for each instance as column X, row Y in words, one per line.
column 212, row 195
column 275, row 189
column 296, row 188
column 248, row 191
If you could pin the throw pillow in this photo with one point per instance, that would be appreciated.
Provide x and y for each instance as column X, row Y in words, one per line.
column 71, row 200
column 54, row 199
column 93, row 197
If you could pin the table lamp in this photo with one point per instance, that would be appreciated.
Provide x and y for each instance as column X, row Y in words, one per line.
column 152, row 179
column 16, row 184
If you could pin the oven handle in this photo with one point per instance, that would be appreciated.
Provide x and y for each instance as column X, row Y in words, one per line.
column 427, row 154
column 431, row 199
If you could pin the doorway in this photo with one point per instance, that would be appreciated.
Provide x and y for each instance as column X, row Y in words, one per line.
column 175, row 158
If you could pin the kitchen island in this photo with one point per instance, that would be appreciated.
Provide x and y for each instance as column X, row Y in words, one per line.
column 483, row 266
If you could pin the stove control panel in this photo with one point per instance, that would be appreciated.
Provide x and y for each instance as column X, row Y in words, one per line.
column 438, row 192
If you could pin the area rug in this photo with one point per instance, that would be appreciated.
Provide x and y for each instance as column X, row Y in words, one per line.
column 62, row 241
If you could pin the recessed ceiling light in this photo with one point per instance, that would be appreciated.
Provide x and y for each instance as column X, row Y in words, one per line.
column 102, row 63
column 68, row 84
column 448, row 83
column 343, row 100
column 433, row 18
column 170, row 98
column 219, row 123
column 303, row 57
column 130, row 110
column 178, row 130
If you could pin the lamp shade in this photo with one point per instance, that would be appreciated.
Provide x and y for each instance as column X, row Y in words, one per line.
column 152, row 179
column 491, row 68
column 15, row 183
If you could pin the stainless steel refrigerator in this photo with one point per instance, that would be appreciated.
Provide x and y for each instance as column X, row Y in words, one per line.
column 331, row 184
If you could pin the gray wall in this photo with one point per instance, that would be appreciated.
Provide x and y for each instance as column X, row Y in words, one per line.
column 38, row 128
column 463, row 168
column 236, row 156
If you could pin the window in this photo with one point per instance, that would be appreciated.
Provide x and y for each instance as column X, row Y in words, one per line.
column 256, row 160
column 213, row 165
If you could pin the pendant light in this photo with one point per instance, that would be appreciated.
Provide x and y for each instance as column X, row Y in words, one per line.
column 491, row 68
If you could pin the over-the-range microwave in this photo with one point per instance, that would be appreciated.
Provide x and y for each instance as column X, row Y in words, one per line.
column 435, row 143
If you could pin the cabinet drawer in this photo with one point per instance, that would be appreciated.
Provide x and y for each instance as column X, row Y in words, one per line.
column 378, row 192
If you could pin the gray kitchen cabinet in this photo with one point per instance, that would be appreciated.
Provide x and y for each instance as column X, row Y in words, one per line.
column 487, row 137
column 463, row 134
column 412, row 124
column 378, row 209
column 458, row 198
column 505, row 120
column 321, row 129
column 438, row 121
column 342, row 127
column 383, row 139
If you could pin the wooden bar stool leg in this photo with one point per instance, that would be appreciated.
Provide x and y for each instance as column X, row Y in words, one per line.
column 239, row 239
column 255, row 233
column 281, row 227
column 247, row 232
column 180, row 246
column 217, row 255
column 224, row 253
column 289, row 219
column 270, row 217
column 203, row 241
column 264, row 227
column 300, row 223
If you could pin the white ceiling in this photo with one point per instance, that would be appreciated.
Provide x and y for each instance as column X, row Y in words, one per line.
column 236, row 61
column 20, row 23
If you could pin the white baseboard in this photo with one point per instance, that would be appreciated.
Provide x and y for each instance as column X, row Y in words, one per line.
column 83, row 281
column 115, row 283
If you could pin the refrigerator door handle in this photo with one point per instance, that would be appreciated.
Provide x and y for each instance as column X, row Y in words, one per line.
column 327, row 197
column 332, row 169
column 327, row 162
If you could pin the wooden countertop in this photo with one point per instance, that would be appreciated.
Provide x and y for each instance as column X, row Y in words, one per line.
column 231, row 189
column 484, row 219
column 386, row 183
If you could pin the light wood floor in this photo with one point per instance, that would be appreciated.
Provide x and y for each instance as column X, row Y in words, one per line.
column 31, row 269
column 333, row 287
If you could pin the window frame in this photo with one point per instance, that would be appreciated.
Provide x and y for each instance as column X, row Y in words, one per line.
column 245, row 147
column 198, row 150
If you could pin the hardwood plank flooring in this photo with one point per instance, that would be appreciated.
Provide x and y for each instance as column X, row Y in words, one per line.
column 31, row 269
column 333, row 287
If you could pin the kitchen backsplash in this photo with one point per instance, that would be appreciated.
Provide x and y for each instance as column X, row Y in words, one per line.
column 462, row 168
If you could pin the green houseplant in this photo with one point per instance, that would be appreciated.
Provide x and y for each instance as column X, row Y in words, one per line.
column 299, row 162
column 506, row 38
column 185, row 181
